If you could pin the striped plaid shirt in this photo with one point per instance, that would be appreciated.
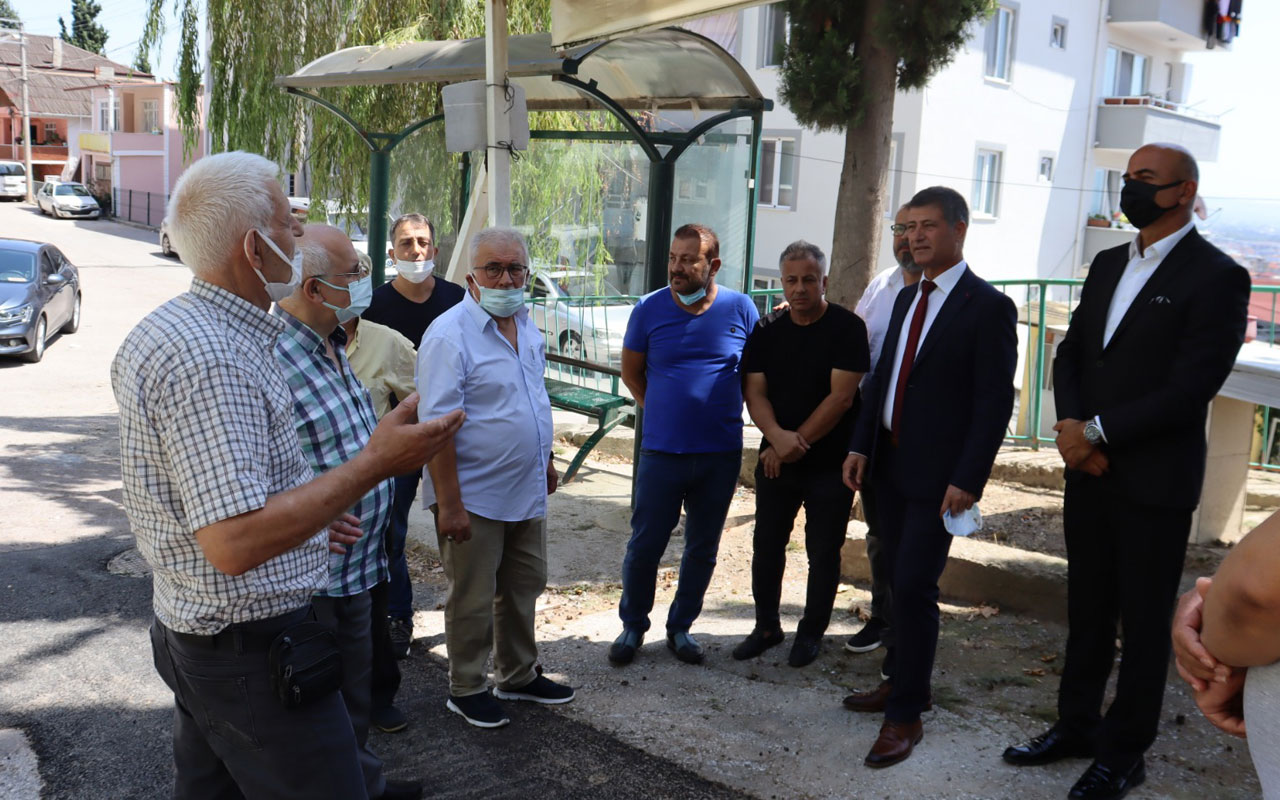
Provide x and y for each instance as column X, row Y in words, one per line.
column 206, row 434
column 334, row 415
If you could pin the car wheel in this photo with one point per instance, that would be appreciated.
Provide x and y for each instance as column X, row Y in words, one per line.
column 37, row 352
column 571, row 345
column 41, row 209
column 164, row 246
column 73, row 324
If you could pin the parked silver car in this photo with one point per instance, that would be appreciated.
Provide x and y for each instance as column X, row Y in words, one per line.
column 39, row 296
column 67, row 200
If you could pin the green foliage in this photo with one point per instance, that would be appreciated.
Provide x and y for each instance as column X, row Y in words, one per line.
column 821, row 73
column 141, row 62
column 7, row 11
column 85, row 33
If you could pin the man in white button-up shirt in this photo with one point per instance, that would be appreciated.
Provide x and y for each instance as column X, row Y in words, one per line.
column 489, row 491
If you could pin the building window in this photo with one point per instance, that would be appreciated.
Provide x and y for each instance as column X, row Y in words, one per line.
column 1046, row 169
column 986, row 182
column 778, row 172
column 1106, row 193
column 1125, row 74
column 891, row 180
column 999, row 44
column 103, row 108
column 50, row 131
column 1058, row 34
column 150, row 116
column 773, row 35
column 102, row 172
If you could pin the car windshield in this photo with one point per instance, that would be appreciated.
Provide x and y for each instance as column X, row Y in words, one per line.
column 12, row 169
column 69, row 189
column 17, row 266
column 575, row 288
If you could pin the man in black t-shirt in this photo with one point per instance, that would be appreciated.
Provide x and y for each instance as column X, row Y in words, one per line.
column 407, row 304
column 802, row 368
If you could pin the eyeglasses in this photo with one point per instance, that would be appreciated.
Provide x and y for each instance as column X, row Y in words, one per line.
column 898, row 228
column 494, row 271
column 359, row 274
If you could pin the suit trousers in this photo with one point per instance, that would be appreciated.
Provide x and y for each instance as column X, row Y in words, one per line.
column 916, row 546
column 232, row 739
column 349, row 619
column 1124, row 563
column 827, row 502
column 495, row 578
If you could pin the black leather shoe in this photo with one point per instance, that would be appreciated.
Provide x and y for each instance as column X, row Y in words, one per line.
column 401, row 790
column 1050, row 746
column 756, row 643
column 623, row 650
column 685, row 647
column 1103, row 783
column 804, row 650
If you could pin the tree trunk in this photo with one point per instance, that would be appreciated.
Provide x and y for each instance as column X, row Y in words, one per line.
column 860, row 204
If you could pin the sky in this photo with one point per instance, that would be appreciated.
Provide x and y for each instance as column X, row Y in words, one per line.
column 1237, row 84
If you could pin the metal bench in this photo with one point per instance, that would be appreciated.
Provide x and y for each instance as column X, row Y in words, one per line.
column 608, row 409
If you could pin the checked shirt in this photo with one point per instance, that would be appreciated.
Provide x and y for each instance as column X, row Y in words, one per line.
column 334, row 416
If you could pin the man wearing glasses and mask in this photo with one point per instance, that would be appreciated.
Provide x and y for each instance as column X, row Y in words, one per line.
column 488, row 491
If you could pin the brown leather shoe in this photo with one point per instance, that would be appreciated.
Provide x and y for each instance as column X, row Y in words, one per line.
column 875, row 700
column 897, row 740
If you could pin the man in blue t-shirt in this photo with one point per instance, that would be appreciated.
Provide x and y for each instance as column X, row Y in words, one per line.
column 680, row 360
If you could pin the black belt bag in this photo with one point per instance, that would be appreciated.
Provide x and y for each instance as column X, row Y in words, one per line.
column 305, row 664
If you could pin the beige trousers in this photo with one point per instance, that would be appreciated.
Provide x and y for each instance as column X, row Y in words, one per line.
column 495, row 578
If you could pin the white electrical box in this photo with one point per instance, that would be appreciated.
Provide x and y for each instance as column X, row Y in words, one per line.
column 464, row 117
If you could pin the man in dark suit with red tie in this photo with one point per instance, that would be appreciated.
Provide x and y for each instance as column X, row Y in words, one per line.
column 1155, row 335
column 934, row 414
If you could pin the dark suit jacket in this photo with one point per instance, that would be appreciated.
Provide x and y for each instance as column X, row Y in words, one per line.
column 1152, row 384
column 958, row 398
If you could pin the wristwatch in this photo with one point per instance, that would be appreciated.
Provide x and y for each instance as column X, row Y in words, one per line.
column 1092, row 433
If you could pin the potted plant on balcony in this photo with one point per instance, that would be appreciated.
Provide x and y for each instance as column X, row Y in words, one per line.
column 1098, row 221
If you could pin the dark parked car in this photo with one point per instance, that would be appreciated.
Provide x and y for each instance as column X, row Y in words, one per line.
column 39, row 296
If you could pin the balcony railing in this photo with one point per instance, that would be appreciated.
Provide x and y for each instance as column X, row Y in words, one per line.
column 41, row 152
column 1127, row 123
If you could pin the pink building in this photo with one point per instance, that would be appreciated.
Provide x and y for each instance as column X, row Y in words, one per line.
column 135, row 147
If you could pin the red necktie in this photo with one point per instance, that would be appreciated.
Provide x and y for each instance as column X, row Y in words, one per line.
column 909, row 355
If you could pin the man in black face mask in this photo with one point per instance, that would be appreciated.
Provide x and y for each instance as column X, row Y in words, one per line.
column 1155, row 335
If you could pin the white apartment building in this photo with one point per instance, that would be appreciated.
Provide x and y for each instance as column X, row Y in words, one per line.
column 1033, row 122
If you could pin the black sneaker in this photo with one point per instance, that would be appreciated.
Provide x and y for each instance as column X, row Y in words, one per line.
column 539, row 690
column 867, row 639
column 401, row 631
column 756, row 643
column 685, row 647
column 388, row 720
column 804, row 650
column 623, row 650
column 401, row 790
column 480, row 710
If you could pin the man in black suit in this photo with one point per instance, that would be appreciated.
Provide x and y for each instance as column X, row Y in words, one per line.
column 1155, row 335
column 935, row 412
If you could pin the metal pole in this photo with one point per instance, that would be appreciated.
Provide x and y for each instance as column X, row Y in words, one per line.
column 1037, row 391
column 379, row 185
column 662, row 181
column 496, row 115
column 26, row 114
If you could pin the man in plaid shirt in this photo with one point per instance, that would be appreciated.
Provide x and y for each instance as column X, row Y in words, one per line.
column 334, row 416
column 226, row 510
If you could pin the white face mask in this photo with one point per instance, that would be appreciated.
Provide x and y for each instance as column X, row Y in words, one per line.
column 275, row 290
column 415, row 271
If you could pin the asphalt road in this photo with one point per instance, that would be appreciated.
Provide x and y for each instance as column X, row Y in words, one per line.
column 75, row 664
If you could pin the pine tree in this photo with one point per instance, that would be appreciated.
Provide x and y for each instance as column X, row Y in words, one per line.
column 7, row 11
column 843, row 63
column 86, row 33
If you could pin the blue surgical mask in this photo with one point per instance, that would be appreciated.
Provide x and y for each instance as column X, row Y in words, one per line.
column 501, row 302
column 361, row 292
column 690, row 299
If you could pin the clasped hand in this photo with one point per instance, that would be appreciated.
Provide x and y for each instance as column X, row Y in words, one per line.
column 1076, row 451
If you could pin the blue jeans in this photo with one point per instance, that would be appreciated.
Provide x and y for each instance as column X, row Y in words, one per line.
column 400, row 595
column 703, row 483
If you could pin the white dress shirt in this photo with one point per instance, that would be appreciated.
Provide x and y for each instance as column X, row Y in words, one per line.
column 503, row 447
column 944, row 284
column 876, row 308
column 1137, row 272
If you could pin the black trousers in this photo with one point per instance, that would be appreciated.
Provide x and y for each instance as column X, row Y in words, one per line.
column 827, row 502
column 386, row 672
column 916, row 546
column 1124, row 562
column 881, row 578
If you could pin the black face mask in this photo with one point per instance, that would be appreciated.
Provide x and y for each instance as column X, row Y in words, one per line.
column 1138, row 202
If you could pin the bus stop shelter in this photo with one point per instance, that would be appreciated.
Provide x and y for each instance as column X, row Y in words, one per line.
column 671, row 91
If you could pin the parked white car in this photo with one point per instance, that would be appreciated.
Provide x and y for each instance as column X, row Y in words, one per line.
column 67, row 200
column 13, row 180
column 583, row 316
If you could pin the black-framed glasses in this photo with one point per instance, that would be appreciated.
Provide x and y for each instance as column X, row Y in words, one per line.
column 898, row 228
column 494, row 271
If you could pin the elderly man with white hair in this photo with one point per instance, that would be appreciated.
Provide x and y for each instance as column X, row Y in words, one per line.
column 334, row 416
column 228, row 513
column 488, row 490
